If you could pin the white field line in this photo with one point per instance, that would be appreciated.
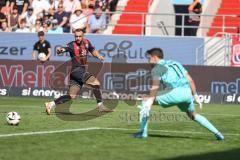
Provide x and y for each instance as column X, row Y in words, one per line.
column 99, row 128
column 48, row 132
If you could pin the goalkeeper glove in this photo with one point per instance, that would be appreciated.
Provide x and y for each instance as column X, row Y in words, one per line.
column 145, row 108
column 197, row 100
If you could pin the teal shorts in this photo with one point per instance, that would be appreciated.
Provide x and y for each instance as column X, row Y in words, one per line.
column 180, row 97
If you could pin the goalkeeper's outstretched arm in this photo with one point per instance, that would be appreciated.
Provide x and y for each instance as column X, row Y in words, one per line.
column 153, row 92
column 192, row 84
column 194, row 90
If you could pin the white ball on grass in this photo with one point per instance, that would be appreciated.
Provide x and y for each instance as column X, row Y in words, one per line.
column 13, row 118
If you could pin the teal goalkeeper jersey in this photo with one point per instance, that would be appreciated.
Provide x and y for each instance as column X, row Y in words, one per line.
column 171, row 74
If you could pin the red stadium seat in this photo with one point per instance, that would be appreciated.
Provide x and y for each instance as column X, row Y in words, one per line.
column 140, row 6
column 228, row 7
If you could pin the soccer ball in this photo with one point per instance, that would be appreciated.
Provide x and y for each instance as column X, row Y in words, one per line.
column 13, row 118
column 41, row 56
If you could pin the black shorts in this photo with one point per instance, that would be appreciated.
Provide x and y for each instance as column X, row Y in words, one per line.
column 79, row 76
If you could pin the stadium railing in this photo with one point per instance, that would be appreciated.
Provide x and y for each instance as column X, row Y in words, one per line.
column 217, row 49
column 184, row 17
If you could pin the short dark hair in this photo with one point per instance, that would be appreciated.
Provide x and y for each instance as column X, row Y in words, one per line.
column 157, row 52
column 23, row 21
column 40, row 33
column 15, row 7
column 80, row 30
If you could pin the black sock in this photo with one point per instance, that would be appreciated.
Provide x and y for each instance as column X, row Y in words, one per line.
column 62, row 99
column 97, row 93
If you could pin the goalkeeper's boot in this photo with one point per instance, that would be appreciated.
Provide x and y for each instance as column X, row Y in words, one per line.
column 219, row 136
column 141, row 134
column 48, row 108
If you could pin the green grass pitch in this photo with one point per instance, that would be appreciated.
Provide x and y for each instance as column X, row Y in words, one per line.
column 172, row 135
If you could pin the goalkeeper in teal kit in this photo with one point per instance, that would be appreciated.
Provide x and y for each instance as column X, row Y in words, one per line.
column 180, row 91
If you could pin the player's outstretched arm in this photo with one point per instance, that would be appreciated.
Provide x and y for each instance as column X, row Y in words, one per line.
column 192, row 84
column 194, row 90
column 96, row 54
column 154, row 88
column 148, row 101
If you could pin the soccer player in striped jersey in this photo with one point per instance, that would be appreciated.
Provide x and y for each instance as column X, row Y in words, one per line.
column 79, row 50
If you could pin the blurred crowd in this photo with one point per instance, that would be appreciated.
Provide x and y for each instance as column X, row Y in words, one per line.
column 55, row 16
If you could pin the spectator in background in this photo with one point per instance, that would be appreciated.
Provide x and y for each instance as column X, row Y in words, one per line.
column 55, row 28
column 88, row 3
column 23, row 27
column 53, row 6
column 3, row 18
column 5, row 7
column 30, row 18
column 87, row 8
column 2, row 3
column 97, row 22
column 22, row 5
column 46, row 17
column 78, row 20
column 46, row 26
column 103, row 4
column 38, row 26
column 71, row 5
column 39, row 6
column 107, row 6
column 62, row 18
column 4, row 27
column 112, row 6
column 13, row 19
column 41, row 46
column 195, row 9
